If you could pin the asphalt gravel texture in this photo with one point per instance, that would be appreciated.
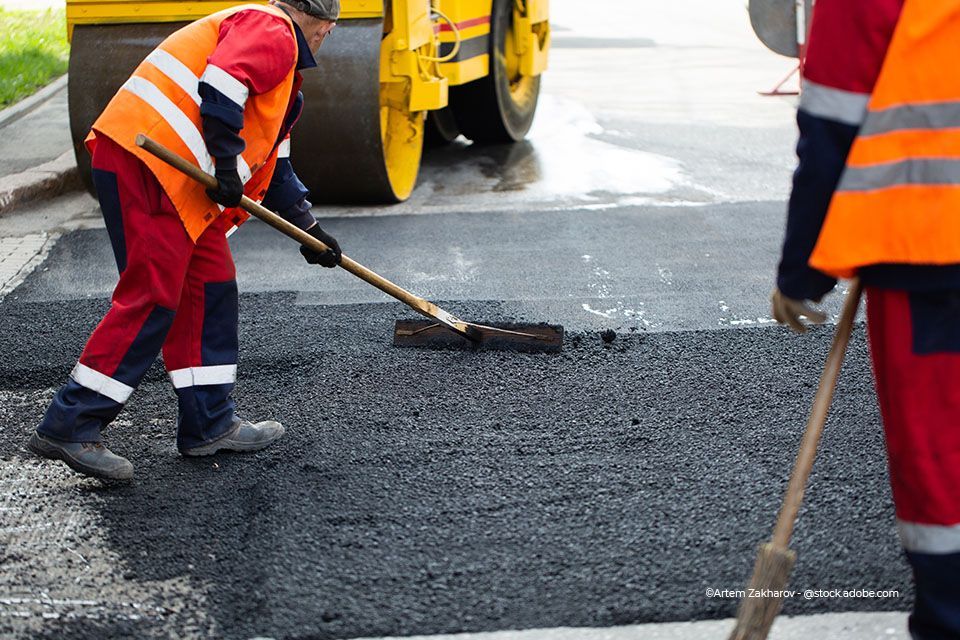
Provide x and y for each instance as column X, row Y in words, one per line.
column 440, row 491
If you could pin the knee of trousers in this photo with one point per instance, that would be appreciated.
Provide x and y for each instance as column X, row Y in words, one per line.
column 121, row 349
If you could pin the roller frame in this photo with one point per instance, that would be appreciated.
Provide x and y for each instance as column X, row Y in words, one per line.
column 345, row 163
column 531, row 32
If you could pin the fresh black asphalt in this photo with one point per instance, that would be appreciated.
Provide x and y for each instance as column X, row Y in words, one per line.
column 422, row 492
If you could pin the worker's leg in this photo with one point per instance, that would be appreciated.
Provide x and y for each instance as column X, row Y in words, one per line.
column 200, row 352
column 915, row 343
column 152, row 250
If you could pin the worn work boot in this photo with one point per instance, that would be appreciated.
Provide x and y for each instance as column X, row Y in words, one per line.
column 245, row 436
column 89, row 458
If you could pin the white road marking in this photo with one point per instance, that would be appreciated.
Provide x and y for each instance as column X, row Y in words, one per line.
column 849, row 626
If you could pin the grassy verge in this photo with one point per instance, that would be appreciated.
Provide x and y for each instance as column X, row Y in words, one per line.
column 33, row 51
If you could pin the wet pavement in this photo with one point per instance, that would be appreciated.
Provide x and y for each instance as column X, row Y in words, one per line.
column 425, row 492
column 628, row 269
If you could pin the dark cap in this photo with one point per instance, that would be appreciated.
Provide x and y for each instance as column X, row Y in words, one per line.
column 323, row 9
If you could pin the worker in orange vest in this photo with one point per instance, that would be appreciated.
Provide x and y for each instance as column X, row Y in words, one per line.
column 877, row 195
column 223, row 91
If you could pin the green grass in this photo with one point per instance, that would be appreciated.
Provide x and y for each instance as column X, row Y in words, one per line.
column 33, row 51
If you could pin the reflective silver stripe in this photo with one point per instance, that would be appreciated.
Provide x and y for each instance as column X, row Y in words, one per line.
column 186, row 80
column 933, row 115
column 847, row 107
column 929, row 538
column 283, row 150
column 225, row 84
column 200, row 376
column 177, row 119
column 244, row 170
column 231, row 230
column 915, row 171
column 176, row 71
column 102, row 384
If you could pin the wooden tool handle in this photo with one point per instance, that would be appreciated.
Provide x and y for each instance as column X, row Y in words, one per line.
column 259, row 211
column 818, row 418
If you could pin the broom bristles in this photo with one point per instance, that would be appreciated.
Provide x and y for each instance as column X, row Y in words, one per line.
column 764, row 598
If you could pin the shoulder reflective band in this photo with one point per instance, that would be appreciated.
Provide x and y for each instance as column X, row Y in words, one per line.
column 171, row 67
column 177, row 119
column 283, row 150
column 176, row 71
column 825, row 102
column 225, row 84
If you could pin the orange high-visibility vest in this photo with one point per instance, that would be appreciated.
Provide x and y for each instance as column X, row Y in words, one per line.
column 161, row 100
column 898, row 200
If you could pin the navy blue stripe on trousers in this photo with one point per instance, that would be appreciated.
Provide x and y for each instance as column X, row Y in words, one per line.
column 936, row 612
column 935, row 317
column 108, row 194
column 77, row 414
column 206, row 411
column 219, row 342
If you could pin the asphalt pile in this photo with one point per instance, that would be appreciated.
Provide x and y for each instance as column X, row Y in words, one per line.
column 423, row 491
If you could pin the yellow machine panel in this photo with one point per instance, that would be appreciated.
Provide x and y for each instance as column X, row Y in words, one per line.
column 466, row 30
column 120, row 11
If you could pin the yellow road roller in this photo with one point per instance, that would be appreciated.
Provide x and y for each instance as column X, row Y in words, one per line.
column 394, row 74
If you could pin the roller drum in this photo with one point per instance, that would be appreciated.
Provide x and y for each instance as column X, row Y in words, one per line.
column 102, row 57
column 337, row 148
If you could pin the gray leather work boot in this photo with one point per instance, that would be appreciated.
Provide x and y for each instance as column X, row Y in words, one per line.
column 245, row 436
column 89, row 458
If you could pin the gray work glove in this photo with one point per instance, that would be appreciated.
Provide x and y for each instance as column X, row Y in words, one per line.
column 789, row 311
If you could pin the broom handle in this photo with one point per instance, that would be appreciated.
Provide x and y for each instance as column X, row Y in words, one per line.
column 259, row 211
column 818, row 418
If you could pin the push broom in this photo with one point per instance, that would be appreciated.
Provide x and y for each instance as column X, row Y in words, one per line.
column 775, row 559
column 540, row 337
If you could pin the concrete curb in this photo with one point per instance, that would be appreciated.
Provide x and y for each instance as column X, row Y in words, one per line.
column 18, row 110
column 45, row 181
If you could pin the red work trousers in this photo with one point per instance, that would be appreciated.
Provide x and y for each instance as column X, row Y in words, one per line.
column 915, row 344
column 172, row 295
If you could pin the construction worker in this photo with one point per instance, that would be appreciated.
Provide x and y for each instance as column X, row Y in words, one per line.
column 877, row 195
column 223, row 91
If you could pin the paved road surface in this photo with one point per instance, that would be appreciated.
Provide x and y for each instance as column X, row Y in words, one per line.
column 439, row 492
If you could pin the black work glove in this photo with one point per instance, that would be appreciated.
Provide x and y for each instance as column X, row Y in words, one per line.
column 329, row 258
column 229, row 186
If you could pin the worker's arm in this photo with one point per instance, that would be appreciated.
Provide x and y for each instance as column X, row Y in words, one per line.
column 848, row 41
column 254, row 53
column 286, row 193
column 288, row 196
column 822, row 152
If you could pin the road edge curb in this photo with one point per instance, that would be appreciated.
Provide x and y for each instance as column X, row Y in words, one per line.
column 39, row 183
column 19, row 109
